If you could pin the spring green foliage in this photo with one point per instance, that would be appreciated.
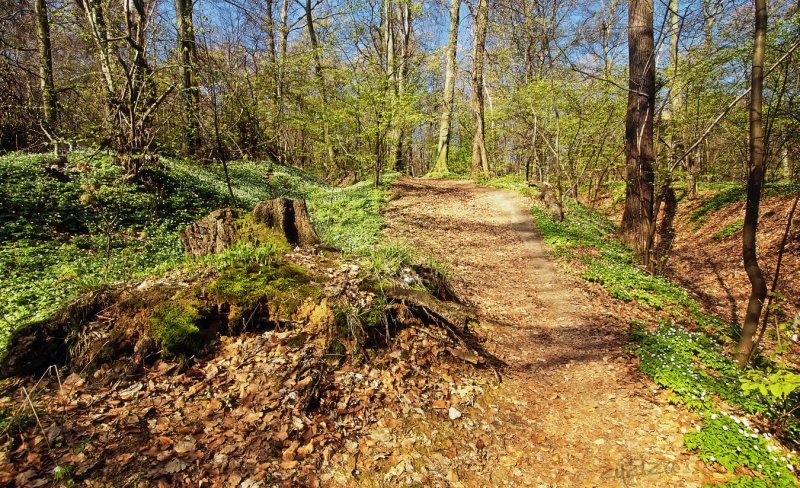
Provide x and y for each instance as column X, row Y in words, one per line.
column 174, row 327
column 695, row 369
column 588, row 237
column 729, row 441
column 61, row 236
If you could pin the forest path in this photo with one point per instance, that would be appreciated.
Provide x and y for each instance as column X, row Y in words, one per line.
column 571, row 410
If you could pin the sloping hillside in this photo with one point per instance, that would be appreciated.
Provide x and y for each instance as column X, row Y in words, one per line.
column 706, row 255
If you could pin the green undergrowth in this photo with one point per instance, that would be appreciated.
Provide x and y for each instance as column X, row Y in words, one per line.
column 728, row 230
column 65, row 231
column 694, row 366
column 588, row 238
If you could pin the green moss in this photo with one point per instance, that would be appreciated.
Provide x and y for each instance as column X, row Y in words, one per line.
column 174, row 327
column 258, row 235
column 282, row 289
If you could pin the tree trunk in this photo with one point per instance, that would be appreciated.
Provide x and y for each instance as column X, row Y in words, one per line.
column 49, row 102
column 449, row 92
column 391, row 82
column 755, row 179
column 637, row 219
column 312, row 36
column 480, row 159
column 403, row 146
column 188, row 56
column 93, row 9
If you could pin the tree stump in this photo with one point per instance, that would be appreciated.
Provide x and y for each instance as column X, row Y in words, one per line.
column 213, row 233
column 290, row 217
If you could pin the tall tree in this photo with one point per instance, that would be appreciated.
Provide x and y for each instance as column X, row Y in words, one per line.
column 449, row 92
column 637, row 218
column 187, row 47
column 49, row 102
column 755, row 180
column 480, row 158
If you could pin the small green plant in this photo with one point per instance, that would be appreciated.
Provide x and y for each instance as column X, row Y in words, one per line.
column 174, row 328
column 63, row 473
column 728, row 230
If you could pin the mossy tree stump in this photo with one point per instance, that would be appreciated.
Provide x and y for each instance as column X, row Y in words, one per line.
column 220, row 229
column 290, row 217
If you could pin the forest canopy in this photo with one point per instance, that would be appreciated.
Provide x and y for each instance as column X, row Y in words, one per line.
column 348, row 89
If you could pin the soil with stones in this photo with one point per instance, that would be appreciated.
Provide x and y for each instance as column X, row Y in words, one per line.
column 570, row 408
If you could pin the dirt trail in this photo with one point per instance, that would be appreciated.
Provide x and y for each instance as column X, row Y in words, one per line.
column 571, row 409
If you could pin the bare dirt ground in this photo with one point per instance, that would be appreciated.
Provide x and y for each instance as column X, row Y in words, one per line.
column 570, row 409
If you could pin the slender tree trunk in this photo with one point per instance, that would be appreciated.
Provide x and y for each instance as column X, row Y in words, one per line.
column 49, row 101
column 755, row 180
column 93, row 9
column 480, row 158
column 312, row 36
column 449, row 92
column 677, row 99
column 638, row 219
column 403, row 147
column 273, row 45
column 191, row 92
column 391, row 82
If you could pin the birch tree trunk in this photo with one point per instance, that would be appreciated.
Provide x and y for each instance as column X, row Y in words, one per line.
column 449, row 92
